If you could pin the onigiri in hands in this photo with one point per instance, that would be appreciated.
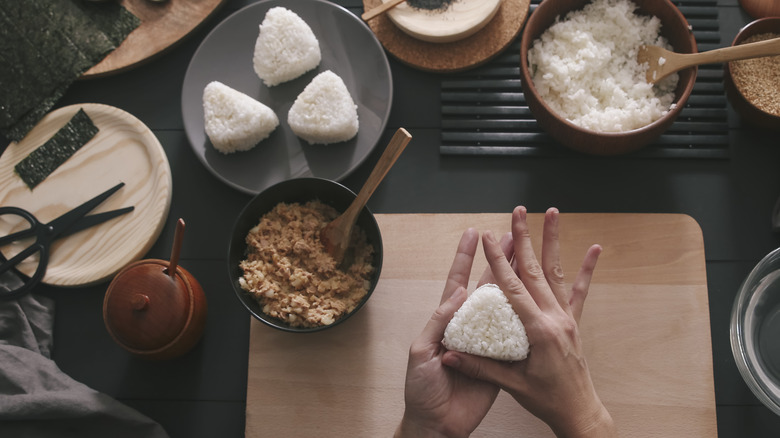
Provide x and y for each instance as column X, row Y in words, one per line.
column 286, row 47
column 487, row 325
column 235, row 121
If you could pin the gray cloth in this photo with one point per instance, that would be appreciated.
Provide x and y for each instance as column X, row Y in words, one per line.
column 37, row 399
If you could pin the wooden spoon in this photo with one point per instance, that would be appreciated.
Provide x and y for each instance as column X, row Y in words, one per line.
column 672, row 62
column 381, row 9
column 335, row 235
column 178, row 238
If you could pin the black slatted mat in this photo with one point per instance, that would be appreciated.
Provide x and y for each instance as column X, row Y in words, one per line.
column 484, row 111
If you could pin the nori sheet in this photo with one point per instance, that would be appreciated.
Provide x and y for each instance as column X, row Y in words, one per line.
column 44, row 160
column 45, row 45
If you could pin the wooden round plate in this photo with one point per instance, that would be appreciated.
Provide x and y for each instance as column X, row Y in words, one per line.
column 459, row 20
column 124, row 150
column 162, row 25
column 450, row 57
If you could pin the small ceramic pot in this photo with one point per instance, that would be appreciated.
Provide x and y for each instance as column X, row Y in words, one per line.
column 152, row 314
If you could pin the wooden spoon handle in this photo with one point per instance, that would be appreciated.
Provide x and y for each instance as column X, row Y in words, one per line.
column 393, row 150
column 178, row 238
column 768, row 47
column 371, row 13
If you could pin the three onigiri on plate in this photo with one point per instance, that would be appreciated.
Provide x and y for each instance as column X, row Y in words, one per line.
column 286, row 48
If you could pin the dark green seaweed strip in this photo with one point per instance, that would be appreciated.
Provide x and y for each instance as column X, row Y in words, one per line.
column 44, row 160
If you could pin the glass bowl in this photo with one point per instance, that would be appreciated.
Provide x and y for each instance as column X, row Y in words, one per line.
column 755, row 329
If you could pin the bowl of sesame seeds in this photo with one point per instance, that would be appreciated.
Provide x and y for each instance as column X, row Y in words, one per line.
column 753, row 85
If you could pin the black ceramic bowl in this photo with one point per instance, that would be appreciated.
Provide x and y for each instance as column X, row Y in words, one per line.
column 298, row 190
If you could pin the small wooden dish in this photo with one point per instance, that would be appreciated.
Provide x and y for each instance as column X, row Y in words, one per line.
column 461, row 19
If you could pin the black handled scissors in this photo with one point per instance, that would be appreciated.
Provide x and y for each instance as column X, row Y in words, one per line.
column 44, row 234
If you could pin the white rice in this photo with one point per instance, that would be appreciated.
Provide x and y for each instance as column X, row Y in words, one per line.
column 486, row 325
column 234, row 121
column 584, row 67
column 286, row 47
column 324, row 112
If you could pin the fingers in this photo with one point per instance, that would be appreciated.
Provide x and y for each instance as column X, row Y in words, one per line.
column 507, row 280
column 508, row 248
column 551, row 258
column 461, row 265
column 579, row 290
column 433, row 332
column 528, row 267
column 481, row 368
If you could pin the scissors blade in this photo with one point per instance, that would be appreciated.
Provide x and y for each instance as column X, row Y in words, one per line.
column 67, row 220
column 94, row 219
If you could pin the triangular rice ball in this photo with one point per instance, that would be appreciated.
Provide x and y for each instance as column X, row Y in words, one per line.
column 286, row 47
column 486, row 325
column 234, row 121
column 324, row 112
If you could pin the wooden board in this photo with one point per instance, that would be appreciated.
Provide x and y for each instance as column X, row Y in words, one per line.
column 645, row 329
column 124, row 150
column 162, row 25
column 455, row 56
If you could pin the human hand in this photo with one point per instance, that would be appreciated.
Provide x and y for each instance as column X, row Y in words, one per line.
column 554, row 382
column 441, row 401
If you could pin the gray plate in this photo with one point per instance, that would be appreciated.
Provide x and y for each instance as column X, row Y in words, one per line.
column 349, row 49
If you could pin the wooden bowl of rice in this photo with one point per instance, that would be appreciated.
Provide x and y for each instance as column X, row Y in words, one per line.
column 643, row 129
column 753, row 85
column 290, row 283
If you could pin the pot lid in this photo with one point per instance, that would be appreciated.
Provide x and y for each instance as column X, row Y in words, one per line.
column 145, row 309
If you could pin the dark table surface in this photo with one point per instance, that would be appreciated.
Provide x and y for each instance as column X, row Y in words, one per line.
column 203, row 393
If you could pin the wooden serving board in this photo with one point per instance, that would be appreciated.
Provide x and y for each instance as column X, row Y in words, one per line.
column 123, row 150
column 162, row 25
column 645, row 329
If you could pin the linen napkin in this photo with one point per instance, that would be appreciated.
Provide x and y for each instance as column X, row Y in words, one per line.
column 37, row 399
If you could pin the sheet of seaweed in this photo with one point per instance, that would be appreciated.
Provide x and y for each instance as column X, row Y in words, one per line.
column 20, row 57
column 46, row 45
column 44, row 160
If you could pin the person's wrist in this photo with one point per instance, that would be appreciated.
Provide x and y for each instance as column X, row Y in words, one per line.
column 410, row 428
column 596, row 424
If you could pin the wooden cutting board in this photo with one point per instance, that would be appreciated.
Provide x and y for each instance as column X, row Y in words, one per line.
column 645, row 328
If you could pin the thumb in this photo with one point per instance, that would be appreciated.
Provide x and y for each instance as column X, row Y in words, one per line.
column 476, row 367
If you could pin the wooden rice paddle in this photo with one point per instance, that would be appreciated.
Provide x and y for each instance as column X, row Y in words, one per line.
column 381, row 9
column 674, row 62
column 335, row 235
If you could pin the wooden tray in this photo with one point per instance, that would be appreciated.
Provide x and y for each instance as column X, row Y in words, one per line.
column 455, row 56
column 124, row 150
column 645, row 329
column 162, row 25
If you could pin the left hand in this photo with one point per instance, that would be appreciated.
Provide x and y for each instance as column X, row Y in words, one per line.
column 440, row 401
